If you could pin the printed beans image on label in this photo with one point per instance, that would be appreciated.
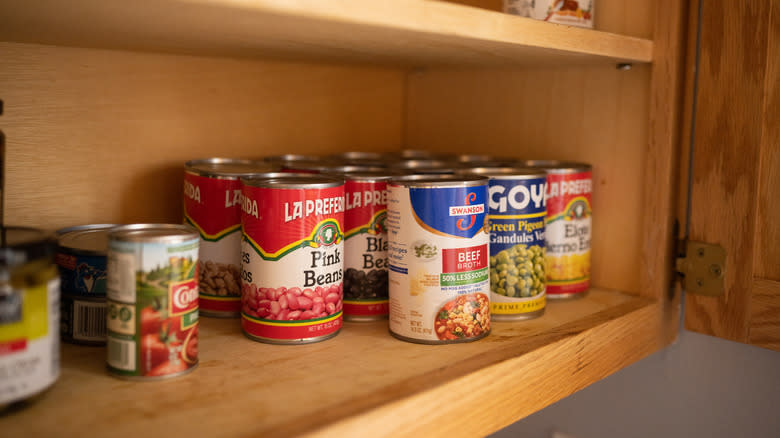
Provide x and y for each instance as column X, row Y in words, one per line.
column 439, row 261
column 292, row 258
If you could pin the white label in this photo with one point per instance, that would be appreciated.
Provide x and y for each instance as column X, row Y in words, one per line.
column 121, row 318
column 120, row 282
column 121, row 354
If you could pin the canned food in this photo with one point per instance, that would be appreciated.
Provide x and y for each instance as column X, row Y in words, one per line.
column 438, row 258
column 517, row 211
column 212, row 204
column 569, row 12
column 279, row 160
column 568, row 231
column 81, row 258
column 365, row 246
column 374, row 159
column 425, row 167
column 152, row 290
column 421, row 154
column 29, row 315
column 292, row 258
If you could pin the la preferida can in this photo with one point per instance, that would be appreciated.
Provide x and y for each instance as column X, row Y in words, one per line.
column 81, row 258
column 152, row 297
column 570, row 12
column 292, row 256
column 365, row 246
column 212, row 204
column 29, row 315
column 568, row 233
column 438, row 258
column 517, row 210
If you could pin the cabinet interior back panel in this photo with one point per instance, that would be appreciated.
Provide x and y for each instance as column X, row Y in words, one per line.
column 592, row 114
column 101, row 136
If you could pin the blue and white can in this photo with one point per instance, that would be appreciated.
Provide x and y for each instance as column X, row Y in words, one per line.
column 438, row 258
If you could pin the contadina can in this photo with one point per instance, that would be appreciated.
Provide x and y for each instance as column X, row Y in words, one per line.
column 212, row 195
column 569, row 187
column 152, row 301
column 438, row 254
column 517, row 209
column 292, row 256
column 365, row 246
column 81, row 258
column 29, row 315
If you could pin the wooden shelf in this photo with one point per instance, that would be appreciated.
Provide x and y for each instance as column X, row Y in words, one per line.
column 406, row 32
column 362, row 380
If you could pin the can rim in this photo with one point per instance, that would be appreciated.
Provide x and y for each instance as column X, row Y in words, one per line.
column 440, row 180
column 191, row 167
column 559, row 166
column 505, row 172
column 295, row 181
column 64, row 234
column 173, row 233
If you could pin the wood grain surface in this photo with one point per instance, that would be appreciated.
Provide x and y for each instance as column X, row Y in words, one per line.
column 732, row 77
column 362, row 380
column 96, row 136
column 765, row 314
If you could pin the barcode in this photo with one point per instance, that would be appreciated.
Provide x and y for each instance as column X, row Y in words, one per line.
column 121, row 354
column 89, row 321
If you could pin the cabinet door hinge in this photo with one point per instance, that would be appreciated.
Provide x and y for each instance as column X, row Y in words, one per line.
column 701, row 267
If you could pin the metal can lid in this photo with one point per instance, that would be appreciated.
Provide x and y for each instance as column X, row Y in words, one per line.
column 422, row 154
column 484, row 158
column 85, row 239
column 360, row 156
column 504, row 172
column 440, row 180
column 157, row 233
column 362, row 173
column 559, row 166
column 295, row 181
column 317, row 166
column 19, row 245
column 231, row 168
column 289, row 158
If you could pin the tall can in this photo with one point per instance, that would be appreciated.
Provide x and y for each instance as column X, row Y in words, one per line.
column 569, row 222
column 212, row 204
column 29, row 315
column 152, row 296
column 81, row 258
column 365, row 246
column 517, row 211
column 439, row 263
column 292, row 255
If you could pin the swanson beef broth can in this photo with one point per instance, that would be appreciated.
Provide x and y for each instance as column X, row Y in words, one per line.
column 212, row 204
column 438, row 258
column 81, row 258
column 152, row 293
column 569, row 187
column 365, row 246
column 292, row 256
column 517, row 211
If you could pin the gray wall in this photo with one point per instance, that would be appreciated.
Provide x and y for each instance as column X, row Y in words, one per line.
column 698, row 387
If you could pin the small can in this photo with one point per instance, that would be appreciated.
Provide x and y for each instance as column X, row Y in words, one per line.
column 438, row 258
column 568, row 228
column 365, row 246
column 212, row 204
column 292, row 255
column 517, row 211
column 29, row 315
column 569, row 12
column 152, row 296
column 81, row 258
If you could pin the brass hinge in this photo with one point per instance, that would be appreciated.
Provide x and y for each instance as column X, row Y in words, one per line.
column 702, row 267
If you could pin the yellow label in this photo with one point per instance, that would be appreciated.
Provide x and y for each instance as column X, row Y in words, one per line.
column 35, row 316
column 514, row 308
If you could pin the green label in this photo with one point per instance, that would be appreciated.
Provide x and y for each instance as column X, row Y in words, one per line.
column 462, row 278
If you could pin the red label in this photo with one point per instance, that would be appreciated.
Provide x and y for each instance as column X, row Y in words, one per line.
column 212, row 205
column 464, row 259
column 220, row 304
column 573, row 288
column 363, row 200
column 13, row 346
column 366, row 308
column 66, row 261
column 278, row 220
column 184, row 297
column 563, row 188
column 291, row 331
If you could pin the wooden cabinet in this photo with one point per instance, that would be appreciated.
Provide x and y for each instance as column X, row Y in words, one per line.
column 104, row 101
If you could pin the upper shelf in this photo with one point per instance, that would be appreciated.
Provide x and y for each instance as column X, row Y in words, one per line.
column 406, row 32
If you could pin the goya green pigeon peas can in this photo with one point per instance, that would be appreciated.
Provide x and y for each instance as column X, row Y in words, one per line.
column 292, row 256
column 438, row 258
column 152, row 297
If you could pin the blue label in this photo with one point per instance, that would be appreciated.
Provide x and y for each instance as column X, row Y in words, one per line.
column 83, row 274
column 517, row 213
column 450, row 211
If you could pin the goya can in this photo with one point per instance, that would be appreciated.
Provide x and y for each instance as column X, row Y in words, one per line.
column 569, row 215
column 81, row 258
column 292, row 256
column 212, row 204
column 152, row 293
column 365, row 246
column 517, row 211
column 438, row 255
column 29, row 315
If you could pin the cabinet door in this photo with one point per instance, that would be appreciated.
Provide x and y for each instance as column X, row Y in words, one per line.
column 735, row 184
